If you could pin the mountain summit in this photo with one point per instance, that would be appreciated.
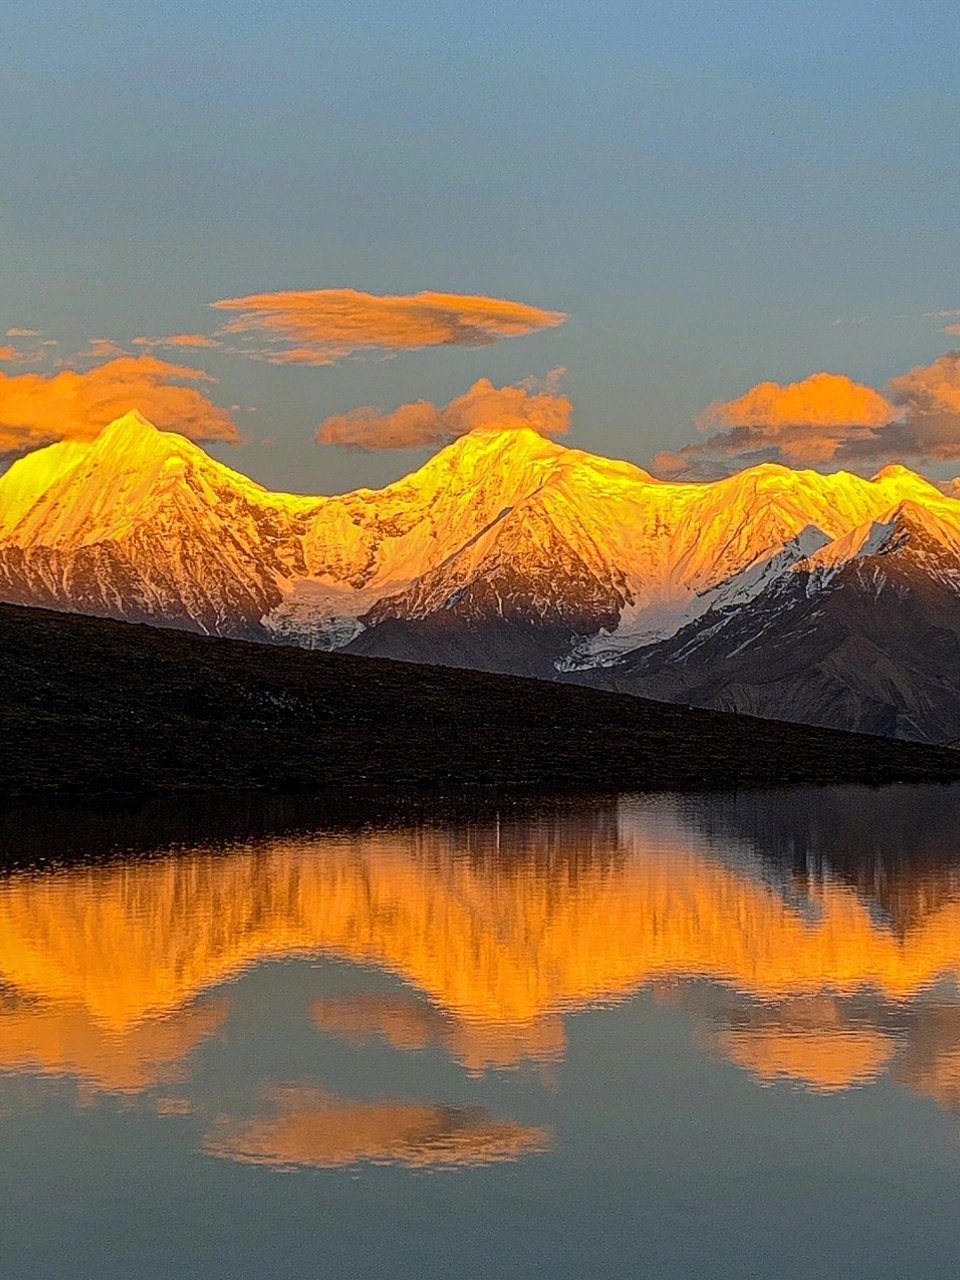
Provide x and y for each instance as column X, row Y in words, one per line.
column 505, row 550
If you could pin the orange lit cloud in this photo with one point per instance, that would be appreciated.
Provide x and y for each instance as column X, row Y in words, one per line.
column 324, row 325
column 828, row 419
column 23, row 333
column 106, row 349
column 422, row 423
column 824, row 404
column 929, row 396
column 295, row 355
column 801, row 423
column 9, row 354
column 186, row 340
column 36, row 410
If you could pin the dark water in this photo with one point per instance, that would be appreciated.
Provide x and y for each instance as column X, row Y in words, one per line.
column 679, row 1037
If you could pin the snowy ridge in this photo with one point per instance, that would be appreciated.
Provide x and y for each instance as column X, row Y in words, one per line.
column 500, row 528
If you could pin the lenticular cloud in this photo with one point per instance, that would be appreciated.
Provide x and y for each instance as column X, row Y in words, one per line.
column 321, row 326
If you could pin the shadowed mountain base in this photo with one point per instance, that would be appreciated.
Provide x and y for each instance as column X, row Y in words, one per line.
column 95, row 709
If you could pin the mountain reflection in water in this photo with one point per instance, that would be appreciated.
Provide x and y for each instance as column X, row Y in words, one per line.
column 811, row 937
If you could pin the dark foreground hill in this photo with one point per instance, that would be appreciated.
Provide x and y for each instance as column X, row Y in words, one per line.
column 92, row 709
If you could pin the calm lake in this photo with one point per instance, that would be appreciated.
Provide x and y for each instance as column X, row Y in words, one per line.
column 654, row 1037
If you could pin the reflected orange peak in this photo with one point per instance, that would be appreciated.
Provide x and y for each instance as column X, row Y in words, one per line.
column 492, row 942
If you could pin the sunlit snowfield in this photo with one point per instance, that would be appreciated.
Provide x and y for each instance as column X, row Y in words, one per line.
column 660, row 1037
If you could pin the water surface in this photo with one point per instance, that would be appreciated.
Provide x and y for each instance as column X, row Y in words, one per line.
column 661, row 1036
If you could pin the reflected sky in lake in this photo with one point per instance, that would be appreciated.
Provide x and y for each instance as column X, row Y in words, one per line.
column 660, row 1036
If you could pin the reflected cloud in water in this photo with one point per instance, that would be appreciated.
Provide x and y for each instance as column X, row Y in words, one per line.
column 412, row 1025
column 47, row 1038
column 315, row 1129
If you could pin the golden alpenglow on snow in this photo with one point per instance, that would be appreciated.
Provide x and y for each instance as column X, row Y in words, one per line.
column 480, row 641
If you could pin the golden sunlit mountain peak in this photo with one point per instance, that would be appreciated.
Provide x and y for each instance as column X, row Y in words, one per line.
column 493, row 445
column 123, row 444
column 132, row 438
column 131, row 421
column 524, row 459
column 891, row 471
column 503, row 523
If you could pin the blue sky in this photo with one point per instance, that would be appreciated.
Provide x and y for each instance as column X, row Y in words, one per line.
column 715, row 195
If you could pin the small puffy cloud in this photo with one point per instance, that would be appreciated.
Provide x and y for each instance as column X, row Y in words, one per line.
column 422, row 423
column 105, row 349
column 929, row 401
column 951, row 328
column 805, row 423
column 25, row 349
column 827, row 419
column 321, row 326
column 173, row 340
column 291, row 355
column 37, row 410
column 550, row 384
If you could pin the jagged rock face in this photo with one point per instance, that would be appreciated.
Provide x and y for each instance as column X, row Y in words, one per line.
column 137, row 580
column 868, row 640
column 529, row 573
column 825, row 598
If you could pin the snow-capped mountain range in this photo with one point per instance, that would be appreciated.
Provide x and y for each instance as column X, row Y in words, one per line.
column 511, row 552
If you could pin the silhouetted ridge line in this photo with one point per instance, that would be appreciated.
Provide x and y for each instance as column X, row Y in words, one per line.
column 91, row 708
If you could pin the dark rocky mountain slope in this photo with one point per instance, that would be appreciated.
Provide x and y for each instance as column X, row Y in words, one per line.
column 869, row 643
column 94, row 709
